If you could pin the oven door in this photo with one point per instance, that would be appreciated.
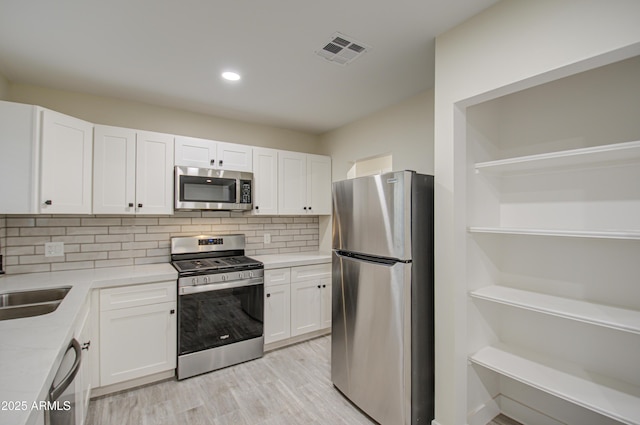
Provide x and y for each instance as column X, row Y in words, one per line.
column 206, row 189
column 214, row 315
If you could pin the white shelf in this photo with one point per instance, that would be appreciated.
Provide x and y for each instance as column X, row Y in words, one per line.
column 615, row 403
column 601, row 234
column 597, row 314
column 600, row 155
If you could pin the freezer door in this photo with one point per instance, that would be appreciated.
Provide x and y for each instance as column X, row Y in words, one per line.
column 371, row 340
column 372, row 215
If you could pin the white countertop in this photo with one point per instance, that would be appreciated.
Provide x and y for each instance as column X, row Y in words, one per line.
column 276, row 261
column 33, row 347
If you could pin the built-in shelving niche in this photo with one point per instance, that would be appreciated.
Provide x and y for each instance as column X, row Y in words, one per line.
column 553, row 251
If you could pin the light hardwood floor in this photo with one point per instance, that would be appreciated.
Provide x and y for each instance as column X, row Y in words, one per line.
column 287, row 386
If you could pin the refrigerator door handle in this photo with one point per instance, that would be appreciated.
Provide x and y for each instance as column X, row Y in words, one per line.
column 370, row 258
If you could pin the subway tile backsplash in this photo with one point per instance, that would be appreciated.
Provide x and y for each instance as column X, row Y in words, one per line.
column 105, row 241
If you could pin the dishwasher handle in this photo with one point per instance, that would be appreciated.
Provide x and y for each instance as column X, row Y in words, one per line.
column 56, row 391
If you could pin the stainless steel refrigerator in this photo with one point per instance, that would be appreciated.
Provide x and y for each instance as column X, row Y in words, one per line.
column 382, row 355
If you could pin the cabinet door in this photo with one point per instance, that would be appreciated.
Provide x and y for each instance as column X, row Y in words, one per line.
column 234, row 157
column 292, row 183
column 19, row 147
column 154, row 173
column 83, row 378
column 137, row 341
column 114, row 170
column 318, row 184
column 325, row 304
column 265, row 181
column 67, row 144
column 192, row 152
column 305, row 307
column 277, row 310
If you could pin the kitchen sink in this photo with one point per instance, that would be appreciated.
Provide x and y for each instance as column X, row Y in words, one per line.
column 19, row 304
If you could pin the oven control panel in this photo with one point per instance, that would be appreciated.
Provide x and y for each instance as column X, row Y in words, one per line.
column 217, row 278
column 211, row 241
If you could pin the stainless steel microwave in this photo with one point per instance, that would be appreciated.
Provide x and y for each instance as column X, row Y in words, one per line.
column 207, row 189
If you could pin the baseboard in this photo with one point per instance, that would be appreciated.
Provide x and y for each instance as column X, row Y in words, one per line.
column 127, row 385
column 300, row 338
column 484, row 413
column 524, row 414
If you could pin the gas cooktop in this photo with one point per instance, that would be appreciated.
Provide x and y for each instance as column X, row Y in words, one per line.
column 221, row 264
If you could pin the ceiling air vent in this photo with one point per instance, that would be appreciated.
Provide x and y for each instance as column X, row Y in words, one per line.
column 342, row 49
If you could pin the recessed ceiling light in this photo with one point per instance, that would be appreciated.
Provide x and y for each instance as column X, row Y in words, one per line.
column 231, row 76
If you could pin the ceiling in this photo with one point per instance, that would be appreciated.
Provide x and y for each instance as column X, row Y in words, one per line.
column 171, row 53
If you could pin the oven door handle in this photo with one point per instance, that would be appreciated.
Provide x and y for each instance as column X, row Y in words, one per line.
column 185, row 290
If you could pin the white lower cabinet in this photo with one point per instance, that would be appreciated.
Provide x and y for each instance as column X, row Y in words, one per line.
column 277, row 321
column 305, row 307
column 297, row 301
column 83, row 334
column 137, row 331
column 325, row 303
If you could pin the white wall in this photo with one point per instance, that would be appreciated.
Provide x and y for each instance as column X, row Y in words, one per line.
column 4, row 87
column 404, row 130
column 511, row 46
column 125, row 113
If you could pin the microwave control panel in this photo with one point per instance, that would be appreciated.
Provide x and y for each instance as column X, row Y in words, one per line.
column 245, row 191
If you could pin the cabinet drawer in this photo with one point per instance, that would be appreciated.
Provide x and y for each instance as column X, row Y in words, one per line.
column 137, row 295
column 317, row 271
column 277, row 276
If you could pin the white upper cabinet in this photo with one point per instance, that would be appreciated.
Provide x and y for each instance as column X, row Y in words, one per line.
column 154, row 173
column 234, row 157
column 114, row 170
column 19, row 146
column 319, row 184
column 304, row 183
column 66, row 164
column 56, row 164
column 265, row 181
column 192, row 152
column 133, row 172
column 292, row 183
column 203, row 153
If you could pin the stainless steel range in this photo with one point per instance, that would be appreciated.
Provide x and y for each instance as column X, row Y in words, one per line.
column 220, row 303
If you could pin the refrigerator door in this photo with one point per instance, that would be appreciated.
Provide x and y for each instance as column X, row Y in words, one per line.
column 371, row 341
column 372, row 215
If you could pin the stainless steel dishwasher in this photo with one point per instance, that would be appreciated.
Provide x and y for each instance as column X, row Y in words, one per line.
column 62, row 395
